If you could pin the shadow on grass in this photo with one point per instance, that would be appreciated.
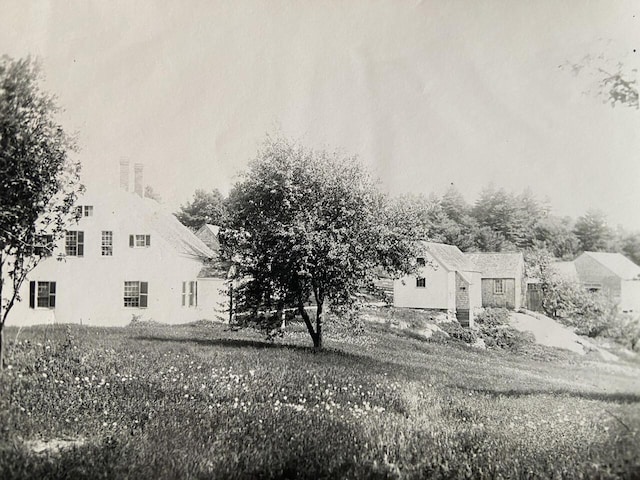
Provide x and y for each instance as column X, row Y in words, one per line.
column 229, row 342
column 618, row 397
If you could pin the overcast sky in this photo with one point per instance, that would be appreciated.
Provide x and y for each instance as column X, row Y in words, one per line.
column 427, row 93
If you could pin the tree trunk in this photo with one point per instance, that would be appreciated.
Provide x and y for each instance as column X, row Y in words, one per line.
column 1, row 346
column 307, row 322
column 317, row 342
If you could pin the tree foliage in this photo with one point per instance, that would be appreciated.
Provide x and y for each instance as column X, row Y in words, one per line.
column 38, row 181
column 206, row 207
column 593, row 232
column 311, row 225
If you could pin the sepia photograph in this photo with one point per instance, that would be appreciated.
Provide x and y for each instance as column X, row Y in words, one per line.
column 330, row 239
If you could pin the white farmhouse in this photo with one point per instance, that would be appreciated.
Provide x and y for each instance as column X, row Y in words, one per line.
column 125, row 258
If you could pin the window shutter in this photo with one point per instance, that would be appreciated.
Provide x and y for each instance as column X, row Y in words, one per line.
column 184, row 290
column 196, row 294
column 80, row 244
column 52, row 294
column 144, row 291
column 131, row 240
column 32, row 294
column 147, row 240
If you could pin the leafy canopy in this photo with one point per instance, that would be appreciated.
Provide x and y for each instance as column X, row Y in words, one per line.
column 206, row 207
column 311, row 224
column 38, row 181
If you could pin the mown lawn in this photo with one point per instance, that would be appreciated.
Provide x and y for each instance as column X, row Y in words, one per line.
column 201, row 401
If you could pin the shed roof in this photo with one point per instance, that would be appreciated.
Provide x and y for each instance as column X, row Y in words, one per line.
column 450, row 257
column 497, row 265
column 617, row 263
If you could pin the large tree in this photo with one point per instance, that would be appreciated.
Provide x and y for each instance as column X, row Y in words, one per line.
column 593, row 231
column 310, row 224
column 38, row 180
column 206, row 207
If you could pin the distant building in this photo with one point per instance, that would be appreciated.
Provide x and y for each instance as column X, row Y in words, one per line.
column 612, row 274
column 125, row 258
column 502, row 274
column 446, row 280
column 209, row 234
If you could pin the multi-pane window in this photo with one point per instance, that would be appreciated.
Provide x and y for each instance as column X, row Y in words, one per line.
column 74, row 243
column 44, row 245
column 84, row 210
column 139, row 241
column 42, row 294
column 135, row 294
column 421, row 282
column 107, row 243
column 498, row 286
column 189, row 294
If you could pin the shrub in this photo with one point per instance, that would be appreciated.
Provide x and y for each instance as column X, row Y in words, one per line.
column 505, row 337
column 457, row 331
column 492, row 317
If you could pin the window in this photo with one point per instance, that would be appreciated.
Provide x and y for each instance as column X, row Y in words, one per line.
column 139, row 241
column 420, row 262
column 107, row 243
column 189, row 294
column 498, row 286
column 42, row 294
column 135, row 294
column 44, row 245
column 84, row 211
column 74, row 243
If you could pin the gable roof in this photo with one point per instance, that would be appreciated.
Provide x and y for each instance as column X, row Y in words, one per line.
column 450, row 257
column 617, row 263
column 497, row 265
column 209, row 235
column 150, row 216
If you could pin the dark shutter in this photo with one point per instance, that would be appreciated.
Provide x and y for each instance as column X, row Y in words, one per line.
column 52, row 294
column 32, row 294
column 144, row 290
column 131, row 240
column 80, row 244
column 147, row 240
column 184, row 290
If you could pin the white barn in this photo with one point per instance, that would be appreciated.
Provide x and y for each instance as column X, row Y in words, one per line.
column 125, row 258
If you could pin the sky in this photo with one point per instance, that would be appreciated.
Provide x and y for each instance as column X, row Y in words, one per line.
column 426, row 93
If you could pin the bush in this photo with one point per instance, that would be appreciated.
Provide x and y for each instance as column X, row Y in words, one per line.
column 493, row 317
column 457, row 331
column 505, row 337
column 625, row 330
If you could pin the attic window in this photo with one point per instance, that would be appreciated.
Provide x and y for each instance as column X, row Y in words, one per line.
column 420, row 262
column 139, row 241
column 421, row 282
column 84, row 210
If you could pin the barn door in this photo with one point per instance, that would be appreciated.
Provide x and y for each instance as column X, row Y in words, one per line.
column 534, row 297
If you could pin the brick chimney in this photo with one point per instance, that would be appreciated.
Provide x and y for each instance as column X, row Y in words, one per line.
column 138, row 184
column 124, row 175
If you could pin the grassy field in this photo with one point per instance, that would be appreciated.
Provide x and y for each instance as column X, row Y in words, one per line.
column 202, row 401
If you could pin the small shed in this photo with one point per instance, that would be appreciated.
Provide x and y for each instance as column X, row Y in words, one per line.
column 612, row 274
column 502, row 277
column 446, row 280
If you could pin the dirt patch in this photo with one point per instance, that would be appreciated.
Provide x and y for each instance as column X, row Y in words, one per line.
column 54, row 445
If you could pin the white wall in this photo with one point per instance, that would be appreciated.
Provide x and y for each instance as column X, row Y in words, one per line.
column 439, row 292
column 630, row 296
column 90, row 289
